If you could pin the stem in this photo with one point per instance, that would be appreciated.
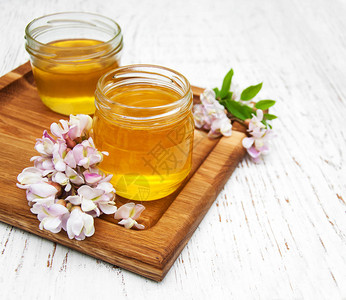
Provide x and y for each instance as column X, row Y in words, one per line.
column 233, row 118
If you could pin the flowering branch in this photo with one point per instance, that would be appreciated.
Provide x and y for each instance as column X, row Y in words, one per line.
column 218, row 108
column 65, row 188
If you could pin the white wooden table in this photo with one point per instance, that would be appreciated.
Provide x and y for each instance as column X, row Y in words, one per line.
column 278, row 229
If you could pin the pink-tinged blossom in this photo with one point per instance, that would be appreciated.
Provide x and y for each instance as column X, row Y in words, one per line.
column 44, row 164
column 208, row 97
column 258, row 143
column 74, row 176
column 106, row 202
column 79, row 225
column 45, row 145
column 108, row 189
column 129, row 213
column 80, row 126
column 68, row 177
column 70, row 162
column 256, row 121
column 59, row 154
column 92, row 178
column 59, row 130
column 52, row 217
column 42, row 193
column 69, row 159
column 199, row 115
column 62, row 179
column 220, row 127
column 77, row 126
column 30, row 176
column 95, row 200
column 211, row 115
column 86, row 155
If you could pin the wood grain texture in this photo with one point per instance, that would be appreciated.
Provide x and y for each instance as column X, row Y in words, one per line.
column 277, row 230
column 169, row 221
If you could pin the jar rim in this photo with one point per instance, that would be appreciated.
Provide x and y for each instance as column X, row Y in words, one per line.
column 116, row 35
column 146, row 68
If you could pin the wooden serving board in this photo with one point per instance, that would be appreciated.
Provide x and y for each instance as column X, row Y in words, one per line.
column 169, row 222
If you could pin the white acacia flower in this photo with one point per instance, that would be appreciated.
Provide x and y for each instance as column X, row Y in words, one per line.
column 52, row 217
column 199, row 115
column 59, row 154
column 86, row 155
column 77, row 127
column 220, row 127
column 45, row 145
column 65, row 178
column 74, row 176
column 30, row 176
column 129, row 213
column 94, row 176
column 211, row 115
column 256, row 121
column 258, row 143
column 69, row 159
column 62, row 179
column 95, row 199
column 208, row 97
column 44, row 164
column 79, row 225
column 108, row 189
column 42, row 193
column 80, row 125
column 213, row 108
column 60, row 130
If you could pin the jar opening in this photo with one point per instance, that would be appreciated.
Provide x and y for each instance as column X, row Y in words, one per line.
column 42, row 33
column 143, row 93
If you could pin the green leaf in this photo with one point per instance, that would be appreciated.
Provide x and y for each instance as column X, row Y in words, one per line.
column 238, row 110
column 264, row 122
column 250, row 92
column 269, row 117
column 217, row 92
column 229, row 96
column 226, row 84
column 249, row 111
column 224, row 102
column 264, row 104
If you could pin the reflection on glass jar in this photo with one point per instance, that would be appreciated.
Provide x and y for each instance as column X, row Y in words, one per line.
column 69, row 52
column 144, row 120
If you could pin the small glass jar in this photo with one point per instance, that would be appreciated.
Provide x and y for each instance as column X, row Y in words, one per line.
column 144, row 121
column 69, row 52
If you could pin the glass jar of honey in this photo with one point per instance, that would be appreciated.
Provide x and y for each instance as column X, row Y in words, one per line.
column 69, row 52
column 144, row 121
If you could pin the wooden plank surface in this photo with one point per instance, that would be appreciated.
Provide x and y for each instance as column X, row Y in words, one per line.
column 169, row 222
column 277, row 230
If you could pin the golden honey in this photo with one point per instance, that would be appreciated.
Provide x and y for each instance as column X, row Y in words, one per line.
column 66, row 70
column 69, row 88
column 145, row 123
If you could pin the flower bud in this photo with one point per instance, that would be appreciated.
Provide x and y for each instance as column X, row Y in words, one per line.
column 57, row 186
column 70, row 143
column 75, row 207
column 61, row 202
column 69, row 206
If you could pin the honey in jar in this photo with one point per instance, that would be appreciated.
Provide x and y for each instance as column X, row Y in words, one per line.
column 67, row 63
column 143, row 120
